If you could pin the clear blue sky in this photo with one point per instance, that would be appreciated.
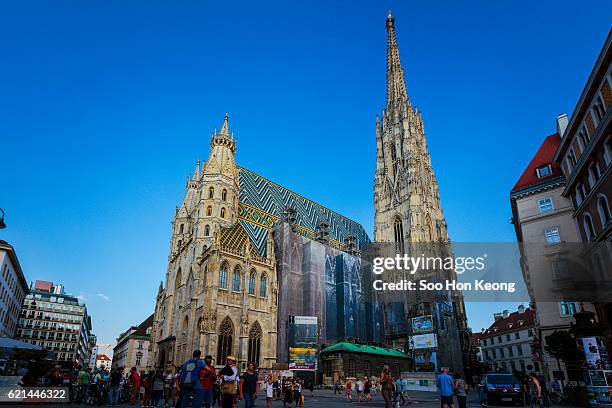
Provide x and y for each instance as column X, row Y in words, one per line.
column 105, row 107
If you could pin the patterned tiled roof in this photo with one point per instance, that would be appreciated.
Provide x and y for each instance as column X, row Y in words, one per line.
column 262, row 203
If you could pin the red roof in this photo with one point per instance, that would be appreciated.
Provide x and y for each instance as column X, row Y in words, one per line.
column 103, row 357
column 544, row 156
column 514, row 322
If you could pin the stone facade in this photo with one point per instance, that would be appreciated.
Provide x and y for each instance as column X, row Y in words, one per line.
column 220, row 295
column 408, row 212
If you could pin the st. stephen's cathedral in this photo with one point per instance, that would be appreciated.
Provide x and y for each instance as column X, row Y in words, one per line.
column 246, row 253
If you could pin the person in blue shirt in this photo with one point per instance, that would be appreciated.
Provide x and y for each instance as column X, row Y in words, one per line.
column 191, row 387
column 445, row 387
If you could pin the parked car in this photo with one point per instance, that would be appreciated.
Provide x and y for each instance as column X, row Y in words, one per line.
column 503, row 387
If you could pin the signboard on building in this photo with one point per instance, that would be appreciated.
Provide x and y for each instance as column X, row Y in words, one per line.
column 302, row 340
column 422, row 324
column 422, row 341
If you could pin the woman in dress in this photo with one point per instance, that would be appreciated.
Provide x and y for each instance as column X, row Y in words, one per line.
column 269, row 386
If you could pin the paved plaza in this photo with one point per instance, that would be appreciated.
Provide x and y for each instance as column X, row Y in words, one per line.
column 327, row 399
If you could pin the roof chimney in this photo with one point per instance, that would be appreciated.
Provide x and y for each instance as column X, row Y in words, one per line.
column 497, row 316
column 505, row 313
column 562, row 122
column 521, row 309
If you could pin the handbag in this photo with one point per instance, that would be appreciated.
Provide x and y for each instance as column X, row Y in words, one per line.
column 228, row 387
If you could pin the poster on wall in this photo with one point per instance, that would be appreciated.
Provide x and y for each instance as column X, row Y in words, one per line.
column 422, row 324
column 421, row 341
column 302, row 341
column 592, row 352
column 425, row 361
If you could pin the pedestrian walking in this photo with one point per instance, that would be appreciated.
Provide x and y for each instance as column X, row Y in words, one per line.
column 535, row 391
column 134, row 385
column 359, row 389
column 367, row 386
column 157, row 388
column 460, row 390
column 114, row 392
column 229, row 378
column 270, row 390
column 248, row 386
column 444, row 383
column 387, row 386
column 208, row 376
column 191, row 387
column 482, row 394
column 287, row 393
column 398, row 397
column 348, row 390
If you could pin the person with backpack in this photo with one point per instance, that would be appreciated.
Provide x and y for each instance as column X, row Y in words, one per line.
column 191, row 387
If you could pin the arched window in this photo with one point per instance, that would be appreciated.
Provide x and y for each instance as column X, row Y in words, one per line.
column 236, row 280
column 211, row 192
column 185, row 324
column 224, row 195
column 208, row 211
column 207, row 230
column 226, row 335
column 222, row 212
column 608, row 151
column 190, row 282
column 263, row 283
column 177, row 281
column 398, row 230
column 588, row 227
column 254, row 343
column 223, row 276
column 252, row 283
column 603, row 209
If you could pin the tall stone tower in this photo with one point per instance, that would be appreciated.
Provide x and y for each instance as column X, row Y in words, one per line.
column 408, row 213
column 406, row 196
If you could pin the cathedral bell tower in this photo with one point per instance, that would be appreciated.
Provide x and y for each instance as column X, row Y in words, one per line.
column 406, row 198
column 219, row 185
column 408, row 213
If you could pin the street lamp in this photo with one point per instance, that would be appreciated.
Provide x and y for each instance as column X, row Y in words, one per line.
column 2, row 224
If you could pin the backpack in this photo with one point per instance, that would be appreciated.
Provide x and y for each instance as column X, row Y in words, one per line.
column 190, row 373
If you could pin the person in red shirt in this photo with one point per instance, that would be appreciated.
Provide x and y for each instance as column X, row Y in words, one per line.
column 135, row 384
column 208, row 376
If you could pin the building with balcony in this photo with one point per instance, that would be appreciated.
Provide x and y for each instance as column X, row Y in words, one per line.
column 57, row 322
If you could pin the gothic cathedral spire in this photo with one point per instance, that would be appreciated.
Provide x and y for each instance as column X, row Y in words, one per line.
column 396, row 85
column 406, row 196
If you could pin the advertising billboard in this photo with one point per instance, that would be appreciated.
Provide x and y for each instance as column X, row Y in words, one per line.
column 422, row 341
column 302, row 341
column 422, row 324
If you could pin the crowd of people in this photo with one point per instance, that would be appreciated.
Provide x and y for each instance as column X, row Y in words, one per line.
column 197, row 383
